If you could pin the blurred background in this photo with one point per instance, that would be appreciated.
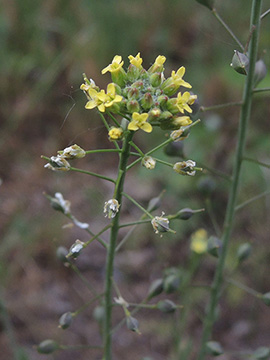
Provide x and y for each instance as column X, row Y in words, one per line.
column 45, row 48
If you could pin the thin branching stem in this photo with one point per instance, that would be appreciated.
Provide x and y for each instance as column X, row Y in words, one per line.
column 249, row 201
column 256, row 90
column 230, row 210
column 267, row 12
column 220, row 106
column 255, row 161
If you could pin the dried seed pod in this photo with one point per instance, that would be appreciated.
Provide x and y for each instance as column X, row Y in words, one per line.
column 65, row 320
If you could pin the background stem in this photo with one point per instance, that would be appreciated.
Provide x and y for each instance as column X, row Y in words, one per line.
column 230, row 210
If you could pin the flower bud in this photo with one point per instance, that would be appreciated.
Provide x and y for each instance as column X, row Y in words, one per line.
column 147, row 101
column 76, row 248
column 65, row 320
column 154, row 114
column 115, row 134
column 243, row 252
column 240, row 62
column 156, row 79
column 148, row 162
column 133, row 106
column 47, row 346
column 172, row 106
column 208, row 3
column 155, row 288
column 162, row 100
column 262, row 353
column 119, row 77
column 185, row 214
column 214, row 348
column 266, row 298
column 214, row 246
column 133, row 324
column 166, row 306
column 133, row 93
column 166, row 116
column 260, row 71
column 133, row 73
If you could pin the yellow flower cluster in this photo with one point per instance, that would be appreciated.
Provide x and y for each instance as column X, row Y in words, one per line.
column 143, row 97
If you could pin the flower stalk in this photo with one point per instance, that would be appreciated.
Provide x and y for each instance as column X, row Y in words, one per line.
column 230, row 210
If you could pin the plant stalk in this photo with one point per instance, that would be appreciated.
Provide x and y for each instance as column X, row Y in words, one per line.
column 230, row 210
column 119, row 185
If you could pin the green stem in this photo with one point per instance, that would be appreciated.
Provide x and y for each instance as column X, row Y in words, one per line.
column 220, row 106
column 111, row 250
column 221, row 21
column 230, row 210
column 240, row 206
column 108, row 151
column 265, row 14
column 138, row 205
column 92, row 174
column 261, row 89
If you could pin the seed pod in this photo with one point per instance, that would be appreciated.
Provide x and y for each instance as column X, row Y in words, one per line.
column 61, row 253
column 243, row 252
column 47, row 346
column 133, row 324
column 154, row 204
column 266, row 298
column 260, row 71
column 155, row 288
column 175, row 149
column 208, row 3
column 214, row 246
column 214, row 348
column 185, row 214
column 99, row 313
column 240, row 63
column 171, row 283
column 65, row 320
column 166, row 306
column 262, row 353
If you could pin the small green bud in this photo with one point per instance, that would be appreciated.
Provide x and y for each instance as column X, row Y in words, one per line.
column 65, row 320
column 133, row 93
column 133, row 73
column 175, row 149
column 185, row 214
column 266, row 298
column 61, row 254
column 133, row 324
column 99, row 313
column 155, row 288
column 262, row 353
column 208, row 3
column 214, row 348
column 240, row 63
column 156, row 79
column 162, row 100
column 243, row 252
column 154, row 114
column 166, row 306
column 171, row 283
column 214, row 246
column 260, row 71
column 154, row 204
column 119, row 77
column 47, row 347
column 147, row 101
column 133, row 106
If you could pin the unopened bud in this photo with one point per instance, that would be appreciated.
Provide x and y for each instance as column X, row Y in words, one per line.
column 175, row 149
column 133, row 72
column 262, row 353
column 171, row 283
column 243, row 252
column 155, row 288
column 133, row 106
column 266, row 298
column 185, row 214
column 132, row 93
column 214, row 246
column 154, row 204
column 260, row 71
column 65, row 320
column 156, row 79
column 133, row 324
column 147, row 101
column 214, row 348
column 47, row 346
column 240, row 62
column 154, row 114
column 115, row 134
column 166, row 306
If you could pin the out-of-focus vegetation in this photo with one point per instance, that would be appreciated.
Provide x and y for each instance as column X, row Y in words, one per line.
column 45, row 48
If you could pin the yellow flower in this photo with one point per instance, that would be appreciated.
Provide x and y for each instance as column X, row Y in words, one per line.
column 183, row 102
column 139, row 122
column 115, row 66
column 101, row 100
column 160, row 60
column 136, row 61
column 177, row 77
column 182, row 121
column 158, row 64
column 199, row 241
column 115, row 133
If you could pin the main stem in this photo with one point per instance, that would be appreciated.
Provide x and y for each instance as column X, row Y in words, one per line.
column 111, row 250
column 230, row 210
